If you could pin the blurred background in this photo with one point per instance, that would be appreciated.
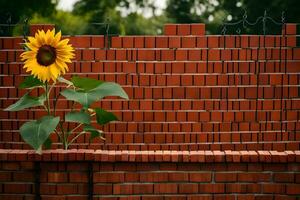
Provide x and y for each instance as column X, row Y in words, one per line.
column 136, row 17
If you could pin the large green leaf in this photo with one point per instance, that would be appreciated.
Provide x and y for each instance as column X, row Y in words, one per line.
column 26, row 101
column 94, row 132
column 104, row 117
column 31, row 82
column 79, row 117
column 86, row 98
column 36, row 132
column 84, row 83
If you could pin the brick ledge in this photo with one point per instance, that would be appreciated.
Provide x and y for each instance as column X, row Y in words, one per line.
column 150, row 156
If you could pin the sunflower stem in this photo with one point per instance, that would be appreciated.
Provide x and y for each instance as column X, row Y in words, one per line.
column 79, row 134
column 75, row 128
column 62, row 136
column 47, row 97
column 55, row 103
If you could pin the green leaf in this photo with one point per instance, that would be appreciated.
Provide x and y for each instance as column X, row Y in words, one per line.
column 31, row 82
column 63, row 80
column 84, row 83
column 26, row 101
column 87, row 98
column 48, row 143
column 79, row 117
column 36, row 132
column 94, row 132
column 104, row 117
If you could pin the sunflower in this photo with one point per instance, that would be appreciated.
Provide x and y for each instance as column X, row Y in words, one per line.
column 47, row 55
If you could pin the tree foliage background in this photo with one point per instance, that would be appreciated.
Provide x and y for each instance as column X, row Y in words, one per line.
column 127, row 16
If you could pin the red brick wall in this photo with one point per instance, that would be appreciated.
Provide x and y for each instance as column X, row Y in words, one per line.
column 236, row 97
column 188, row 90
column 142, row 175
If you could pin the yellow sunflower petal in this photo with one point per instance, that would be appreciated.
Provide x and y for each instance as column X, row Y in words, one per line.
column 41, row 37
column 49, row 37
column 63, row 66
column 28, row 55
column 33, row 41
column 31, row 46
column 62, row 43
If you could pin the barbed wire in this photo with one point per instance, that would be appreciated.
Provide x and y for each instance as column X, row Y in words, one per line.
column 245, row 23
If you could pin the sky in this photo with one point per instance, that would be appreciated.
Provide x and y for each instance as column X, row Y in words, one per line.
column 67, row 5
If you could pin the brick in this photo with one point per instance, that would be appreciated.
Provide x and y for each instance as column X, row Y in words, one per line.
column 194, row 55
column 108, row 177
column 183, row 29
column 165, row 188
column 83, row 41
column 283, row 177
column 127, row 41
column 170, row 29
column 149, row 42
column 168, row 55
column 97, row 41
column 146, row 55
column 178, row 177
column 289, row 29
column 57, row 177
column 100, row 54
column 213, row 41
column 88, row 55
column 200, row 177
column 139, row 42
column 143, row 189
column 212, row 188
column 292, row 189
column 77, row 177
column 189, row 188
column 174, row 42
column 161, row 42
column 188, row 42
column 10, row 188
column 201, row 42
column 197, row 29
column 116, row 42
column 103, row 189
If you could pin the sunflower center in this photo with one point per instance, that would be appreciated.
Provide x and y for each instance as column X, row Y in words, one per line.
column 46, row 55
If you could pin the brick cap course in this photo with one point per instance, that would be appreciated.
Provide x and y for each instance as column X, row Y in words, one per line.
column 151, row 156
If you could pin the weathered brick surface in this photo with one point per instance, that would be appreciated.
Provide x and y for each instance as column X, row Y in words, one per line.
column 116, row 178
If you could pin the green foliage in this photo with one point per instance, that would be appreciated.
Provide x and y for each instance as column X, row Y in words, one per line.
column 136, row 24
column 63, row 80
column 36, row 132
column 86, row 98
column 31, row 82
column 47, row 144
column 64, row 21
column 94, row 132
column 85, row 84
column 84, row 91
column 78, row 117
column 18, row 10
column 26, row 101
column 103, row 117
column 180, row 11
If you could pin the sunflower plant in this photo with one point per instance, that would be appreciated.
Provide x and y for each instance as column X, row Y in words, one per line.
column 45, row 57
